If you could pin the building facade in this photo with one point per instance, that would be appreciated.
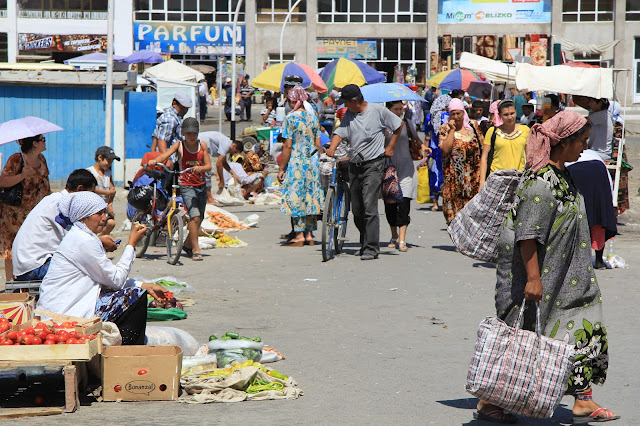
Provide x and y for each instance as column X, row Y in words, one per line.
column 409, row 40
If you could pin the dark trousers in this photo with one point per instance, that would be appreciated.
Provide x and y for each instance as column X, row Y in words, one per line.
column 203, row 108
column 398, row 213
column 365, row 180
column 245, row 107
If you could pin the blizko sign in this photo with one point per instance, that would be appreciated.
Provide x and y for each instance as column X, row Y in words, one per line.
column 188, row 39
column 494, row 11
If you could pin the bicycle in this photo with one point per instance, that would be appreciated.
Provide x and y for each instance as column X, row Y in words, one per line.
column 169, row 222
column 336, row 210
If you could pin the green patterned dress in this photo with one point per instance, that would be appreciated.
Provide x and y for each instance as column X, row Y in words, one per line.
column 552, row 212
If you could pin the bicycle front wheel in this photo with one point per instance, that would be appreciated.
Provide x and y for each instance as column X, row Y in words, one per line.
column 145, row 219
column 175, row 239
column 341, row 217
column 328, row 228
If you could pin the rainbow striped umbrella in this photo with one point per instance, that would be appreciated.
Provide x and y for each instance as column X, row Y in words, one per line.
column 453, row 79
column 344, row 71
column 273, row 77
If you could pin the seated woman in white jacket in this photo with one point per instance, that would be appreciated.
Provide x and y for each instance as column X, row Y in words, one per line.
column 80, row 267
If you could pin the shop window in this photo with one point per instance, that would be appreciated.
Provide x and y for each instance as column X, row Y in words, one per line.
column 633, row 10
column 372, row 11
column 587, row 10
column 62, row 9
column 3, row 9
column 190, row 5
column 187, row 10
column 276, row 10
column 274, row 58
column 4, row 57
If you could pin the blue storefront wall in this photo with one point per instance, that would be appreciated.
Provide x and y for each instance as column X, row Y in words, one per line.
column 78, row 110
column 140, row 119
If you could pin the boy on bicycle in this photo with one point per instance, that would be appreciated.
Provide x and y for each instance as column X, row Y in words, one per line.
column 192, row 153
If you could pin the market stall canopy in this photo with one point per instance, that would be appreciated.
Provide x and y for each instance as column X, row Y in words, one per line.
column 94, row 61
column 273, row 77
column 142, row 56
column 496, row 71
column 592, row 82
column 173, row 70
column 26, row 127
column 388, row 92
column 203, row 68
column 340, row 72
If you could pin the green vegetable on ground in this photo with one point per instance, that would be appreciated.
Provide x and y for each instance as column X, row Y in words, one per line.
column 166, row 283
column 213, row 337
column 232, row 335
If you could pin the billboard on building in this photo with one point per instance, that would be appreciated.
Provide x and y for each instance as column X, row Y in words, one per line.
column 494, row 11
column 61, row 42
column 333, row 48
column 188, row 39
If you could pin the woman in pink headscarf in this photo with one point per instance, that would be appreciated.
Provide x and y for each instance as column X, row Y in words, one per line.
column 302, row 195
column 461, row 142
column 545, row 257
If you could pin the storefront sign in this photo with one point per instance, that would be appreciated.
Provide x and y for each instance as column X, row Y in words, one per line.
column 188, row 39
column 494, row 11
column 333, row 48
column 62, row 43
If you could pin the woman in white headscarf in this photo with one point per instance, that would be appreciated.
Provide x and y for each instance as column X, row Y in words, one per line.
column 80, row 267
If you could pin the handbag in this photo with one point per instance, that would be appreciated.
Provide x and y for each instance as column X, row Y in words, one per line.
column 424, row 190
column 415, row 147
column 391, row 191
column 520, row 371
column 475, row 230
column 13, row 194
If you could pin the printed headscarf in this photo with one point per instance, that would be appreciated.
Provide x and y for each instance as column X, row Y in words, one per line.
column 493, row 109
column 550, row 133
column 457, row 105
column 77, row 206
column 333, row 95
column 439, row 105
column 298, row 95
column 614, row 110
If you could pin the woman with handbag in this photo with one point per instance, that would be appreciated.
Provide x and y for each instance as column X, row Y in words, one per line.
column 407, row 149
column 24, row 181
column 545, row 257
column 461, row 142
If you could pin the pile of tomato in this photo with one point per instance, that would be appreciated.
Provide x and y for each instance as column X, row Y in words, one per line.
column 43, row 334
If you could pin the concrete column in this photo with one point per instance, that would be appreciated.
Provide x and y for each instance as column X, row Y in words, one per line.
column 12, row 30
column 432, row 32
column 622, row 54
column 253, row 65
column 311, row 58
column 123, row 28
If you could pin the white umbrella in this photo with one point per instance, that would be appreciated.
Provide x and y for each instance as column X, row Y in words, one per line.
column 26, row 127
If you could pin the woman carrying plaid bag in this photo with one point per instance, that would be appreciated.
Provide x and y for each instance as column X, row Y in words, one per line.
column 545, row 256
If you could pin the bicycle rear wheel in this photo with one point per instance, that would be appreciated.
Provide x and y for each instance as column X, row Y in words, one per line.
column 328, row 229
column 341, row 217
column 145, row 219
column 175, row 240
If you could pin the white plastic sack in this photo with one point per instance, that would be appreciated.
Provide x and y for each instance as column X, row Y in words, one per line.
column 251, row 220
column 170, row 336
column 177, row 289
column 110, row 334
column 207, row 243
column 218, row 344
column 198, row 364
column 224, row 198
column 209, row 227
column 268, row 199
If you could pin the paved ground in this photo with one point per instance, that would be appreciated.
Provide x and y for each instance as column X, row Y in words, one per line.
column 386, row 341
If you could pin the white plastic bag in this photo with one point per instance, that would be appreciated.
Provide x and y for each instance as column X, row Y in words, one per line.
column 175, row 289
column 110, row 334
column 268, row 199
column 198, row 364
column 224, row 198
column 614, row 261
column 170, row 336
column 206, row 243
column 251, row 220
column 235, row 351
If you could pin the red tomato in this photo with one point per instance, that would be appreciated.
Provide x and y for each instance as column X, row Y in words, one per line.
column 30, row 330
column 42, row 334
column 49, row 342
column 4, row 327
column 12, row 335
column 41, row 325
column 73, row 341
column 141, row 372
column 4, row 320
column 52, row 337
column 91, row 336
column 57, row 326
column 27, row 339
column 117, row 388
column 37, row 341
column 63, row 333
column 74, row 323
column 67, row 324
column 63, row 338
column 6, row 342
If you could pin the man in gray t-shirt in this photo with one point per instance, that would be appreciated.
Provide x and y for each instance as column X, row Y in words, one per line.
column 363, row 128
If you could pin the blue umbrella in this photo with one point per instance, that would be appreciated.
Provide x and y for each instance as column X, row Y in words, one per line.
column 387, row 92
column 146, row 56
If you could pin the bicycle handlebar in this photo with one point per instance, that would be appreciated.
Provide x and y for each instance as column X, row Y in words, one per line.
column 168, row 170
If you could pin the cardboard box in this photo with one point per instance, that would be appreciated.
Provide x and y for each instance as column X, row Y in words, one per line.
column 17, row 307
column 141, row 373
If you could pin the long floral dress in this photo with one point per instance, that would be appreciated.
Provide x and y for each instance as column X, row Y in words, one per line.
column 552, row 212
column 461, row 170
column 302, row 196
column 34, row 189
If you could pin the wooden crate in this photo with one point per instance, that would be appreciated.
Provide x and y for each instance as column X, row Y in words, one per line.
column 76, row 352
column 85, row 326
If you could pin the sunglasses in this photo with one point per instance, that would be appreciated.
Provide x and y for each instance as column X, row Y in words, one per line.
column 42, row 139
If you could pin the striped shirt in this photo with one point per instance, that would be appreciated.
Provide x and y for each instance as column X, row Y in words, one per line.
column 244, row 91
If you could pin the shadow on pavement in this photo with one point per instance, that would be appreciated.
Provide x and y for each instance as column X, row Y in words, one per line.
column 445, row 248
column 562, row 415
column 484, row 265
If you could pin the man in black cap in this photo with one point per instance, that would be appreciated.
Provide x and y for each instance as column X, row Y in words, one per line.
column 167, row 130
column 363, row 128
column 101, row 170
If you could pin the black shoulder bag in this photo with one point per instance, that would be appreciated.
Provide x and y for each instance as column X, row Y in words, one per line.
column 491, row 151
column 13, row 194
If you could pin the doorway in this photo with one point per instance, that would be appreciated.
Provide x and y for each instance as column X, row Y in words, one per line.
column 636, row 71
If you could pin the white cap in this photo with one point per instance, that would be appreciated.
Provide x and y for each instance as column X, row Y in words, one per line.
column 183, row 99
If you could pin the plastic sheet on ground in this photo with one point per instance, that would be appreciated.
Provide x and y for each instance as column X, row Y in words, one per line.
column 267, row 199
column 208, row 227
column 203, row 390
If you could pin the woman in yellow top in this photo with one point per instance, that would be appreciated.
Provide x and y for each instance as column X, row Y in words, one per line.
column 510, row 142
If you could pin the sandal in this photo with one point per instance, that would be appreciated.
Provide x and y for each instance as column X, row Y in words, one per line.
column 392, row 243
column 197, row 257
column 402, row 246
column 294, row 244
column 598, row 416
column 495, row 416
column 188, row 251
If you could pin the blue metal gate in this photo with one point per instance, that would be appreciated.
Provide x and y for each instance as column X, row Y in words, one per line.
column 140, row 122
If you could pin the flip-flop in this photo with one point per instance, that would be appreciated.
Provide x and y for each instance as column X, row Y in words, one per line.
column 294, row 244
column 496, row 416
column 392, row 243
column 595, row 417
column 188, row 251
column 197, row 257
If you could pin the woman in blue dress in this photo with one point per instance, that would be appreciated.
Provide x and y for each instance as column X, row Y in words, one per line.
column 432, row 133
column 302, row 196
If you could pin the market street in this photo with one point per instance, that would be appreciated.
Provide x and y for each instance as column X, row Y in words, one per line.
column 385, row 341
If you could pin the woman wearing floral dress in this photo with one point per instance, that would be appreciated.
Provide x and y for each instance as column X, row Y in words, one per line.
column 461, row 142
column 30, row 168
column 545, row 257
column 302, row 196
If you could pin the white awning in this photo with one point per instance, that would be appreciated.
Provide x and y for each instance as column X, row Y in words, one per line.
column 593, row 82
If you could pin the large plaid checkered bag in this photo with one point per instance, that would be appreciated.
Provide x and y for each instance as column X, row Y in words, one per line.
column 391, row 191
column 475, row 230
column 520, row 371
